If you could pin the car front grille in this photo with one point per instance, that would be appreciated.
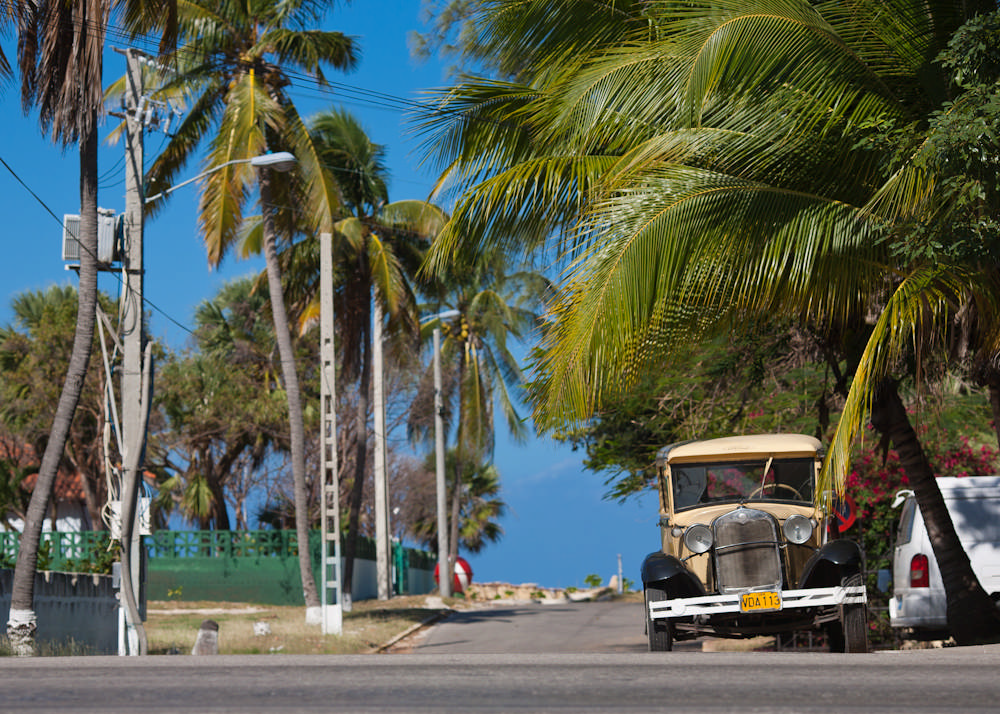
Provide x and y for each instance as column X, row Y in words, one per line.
column 746, row 551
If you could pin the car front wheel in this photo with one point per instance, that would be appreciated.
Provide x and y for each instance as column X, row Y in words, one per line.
column 852, row 635
column 659, row 632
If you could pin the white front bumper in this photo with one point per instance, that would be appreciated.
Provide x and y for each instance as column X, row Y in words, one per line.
column 712, row 604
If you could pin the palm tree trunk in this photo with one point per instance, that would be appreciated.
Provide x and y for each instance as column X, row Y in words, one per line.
column 220, row 514
column 360, row 461
column 993, row 386
column 456, row 514
column 290, row 374
column 972, row 616
column 21, row 626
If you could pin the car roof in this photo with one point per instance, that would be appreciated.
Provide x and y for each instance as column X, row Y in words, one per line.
column 740, row 447
column 969, row 486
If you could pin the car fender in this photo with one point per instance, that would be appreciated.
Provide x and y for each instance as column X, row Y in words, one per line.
column 833, row 562
column 667, row 573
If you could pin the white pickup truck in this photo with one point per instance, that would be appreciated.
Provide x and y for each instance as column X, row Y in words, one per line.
column 918, row 600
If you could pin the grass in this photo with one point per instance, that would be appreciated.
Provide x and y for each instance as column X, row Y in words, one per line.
column 72, row 648
column 172, row 627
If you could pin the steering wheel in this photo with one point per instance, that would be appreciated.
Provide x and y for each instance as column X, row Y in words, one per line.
column 774, row 486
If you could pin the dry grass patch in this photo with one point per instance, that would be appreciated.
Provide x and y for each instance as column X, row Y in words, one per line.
column 172, row 627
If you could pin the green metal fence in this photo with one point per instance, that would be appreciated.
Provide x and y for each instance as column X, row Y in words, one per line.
column 58, row 551
column 236, row 566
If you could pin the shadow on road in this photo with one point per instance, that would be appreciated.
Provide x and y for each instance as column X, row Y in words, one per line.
column 536, row 629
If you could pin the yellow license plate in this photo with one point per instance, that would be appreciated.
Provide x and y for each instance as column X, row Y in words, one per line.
column 755, row 602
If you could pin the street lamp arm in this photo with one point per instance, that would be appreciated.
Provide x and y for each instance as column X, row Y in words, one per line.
column 445, row 315
column 280, row 161
column 202, row 175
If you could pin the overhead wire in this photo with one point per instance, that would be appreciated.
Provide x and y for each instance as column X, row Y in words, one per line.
column 303, row 82
column 363, row 96
column 113, row 176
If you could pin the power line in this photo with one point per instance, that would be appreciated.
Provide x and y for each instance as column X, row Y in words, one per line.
column 363, row 96
column 58, row 220
column 302, row 82
column 112, row 176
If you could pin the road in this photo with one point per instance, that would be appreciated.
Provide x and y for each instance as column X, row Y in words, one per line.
column 955, row 680
column 615, row 678
column 538, row 629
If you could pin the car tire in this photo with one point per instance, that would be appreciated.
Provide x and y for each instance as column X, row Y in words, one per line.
column 659, row 632
column 853, row 631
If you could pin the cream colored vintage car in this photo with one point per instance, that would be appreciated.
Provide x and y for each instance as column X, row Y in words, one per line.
column 744, row 547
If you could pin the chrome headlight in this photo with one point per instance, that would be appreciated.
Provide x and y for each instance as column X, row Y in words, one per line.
column 698, row 538
column 797, row 529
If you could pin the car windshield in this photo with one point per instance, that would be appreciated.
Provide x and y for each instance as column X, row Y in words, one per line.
column 766, row 479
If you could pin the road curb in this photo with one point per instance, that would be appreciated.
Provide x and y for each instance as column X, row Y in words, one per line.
column 426, row 622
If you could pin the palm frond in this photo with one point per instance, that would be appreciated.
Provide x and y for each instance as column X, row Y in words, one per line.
column 922, row 303
column 309, row 50
column 248, row 113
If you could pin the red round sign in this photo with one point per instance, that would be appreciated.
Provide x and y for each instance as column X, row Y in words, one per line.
column 846, row 511
column 462, row 573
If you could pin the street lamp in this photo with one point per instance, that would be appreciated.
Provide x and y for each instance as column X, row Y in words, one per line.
column 279, row 161
column 444, row 567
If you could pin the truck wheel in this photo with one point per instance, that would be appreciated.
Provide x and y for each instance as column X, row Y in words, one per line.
column 853, row 623
column 659, row 632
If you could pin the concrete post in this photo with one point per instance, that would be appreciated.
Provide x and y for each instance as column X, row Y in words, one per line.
column 444, row 574
column 381, row 478
column 207, row 642
column 133, row 425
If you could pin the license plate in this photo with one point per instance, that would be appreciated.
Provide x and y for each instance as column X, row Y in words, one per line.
column 755, row 602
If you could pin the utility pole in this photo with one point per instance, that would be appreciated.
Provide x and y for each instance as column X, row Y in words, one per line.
column 444, row 567
column 382, row 548
column 133, row 333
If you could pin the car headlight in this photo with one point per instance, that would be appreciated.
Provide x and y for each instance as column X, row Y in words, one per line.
column 698, row 538
column 797, row 528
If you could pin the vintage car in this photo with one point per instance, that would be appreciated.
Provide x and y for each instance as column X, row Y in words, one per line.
column 745, row 547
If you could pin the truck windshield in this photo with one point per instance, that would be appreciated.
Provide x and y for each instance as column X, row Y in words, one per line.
column 785, row 480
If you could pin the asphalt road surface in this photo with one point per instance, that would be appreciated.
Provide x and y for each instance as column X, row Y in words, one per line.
column 537, row 629
column 595, row 678
column 955, row 680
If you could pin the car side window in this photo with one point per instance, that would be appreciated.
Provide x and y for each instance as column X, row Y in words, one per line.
column 905, row 532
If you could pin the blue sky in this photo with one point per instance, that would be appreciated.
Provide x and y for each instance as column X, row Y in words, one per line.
column 559, row 528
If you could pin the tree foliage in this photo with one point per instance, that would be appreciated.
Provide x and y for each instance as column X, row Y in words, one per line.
column 705, row 165
column 768, row 378
column 34, row 355
column 223, row 404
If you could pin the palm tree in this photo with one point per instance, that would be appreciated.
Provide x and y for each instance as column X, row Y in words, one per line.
column 235, row 60
column 481, row 506
column 705, row 165
column 60, row 51
column 488, row 308
column 378, row 247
